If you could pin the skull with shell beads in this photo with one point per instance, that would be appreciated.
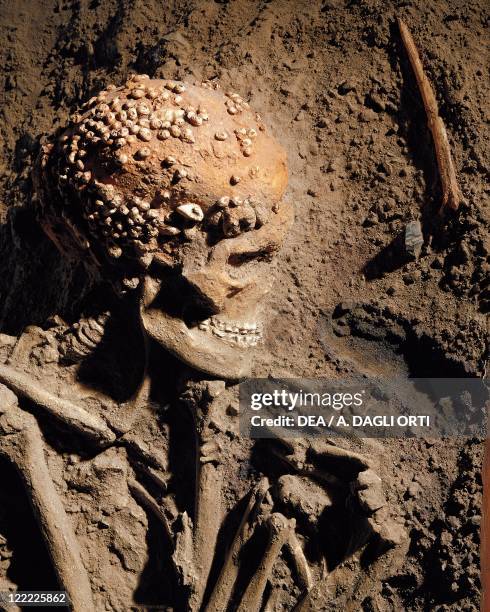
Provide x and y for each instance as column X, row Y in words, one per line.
column 175, row 191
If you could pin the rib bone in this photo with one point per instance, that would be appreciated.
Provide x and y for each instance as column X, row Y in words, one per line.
column 146, row 500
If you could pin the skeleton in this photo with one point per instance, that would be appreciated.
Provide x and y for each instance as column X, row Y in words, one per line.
column 173, row 193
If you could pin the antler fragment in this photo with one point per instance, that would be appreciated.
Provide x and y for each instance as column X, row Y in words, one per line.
column 451, row 193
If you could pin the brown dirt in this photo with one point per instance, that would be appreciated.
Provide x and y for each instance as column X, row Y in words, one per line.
column 333, row 82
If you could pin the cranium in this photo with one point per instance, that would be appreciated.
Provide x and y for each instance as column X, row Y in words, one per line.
column 175, row 189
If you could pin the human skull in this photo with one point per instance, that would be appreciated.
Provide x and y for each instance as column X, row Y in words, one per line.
column 176, row 189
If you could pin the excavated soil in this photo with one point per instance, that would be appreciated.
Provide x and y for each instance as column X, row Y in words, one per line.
column 333, row 82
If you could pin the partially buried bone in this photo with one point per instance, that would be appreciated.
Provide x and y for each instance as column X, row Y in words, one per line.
column 146, row 500
column 21, row 443
column 208, row 506
column 452, row 196
column 69, row 413
column 301, row 565
column 280, row 529
column 229, row 572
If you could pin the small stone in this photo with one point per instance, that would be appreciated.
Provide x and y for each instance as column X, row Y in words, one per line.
column 371, row 499
column 345, row 87
column 191, row 212
column 131, row 283
column 413, row 489
column 375, row 102
column 145, row 134
column 137, row 94
column 367, row 115
column 391, row 533
column 367, row 478
column 215, row 388
column 221, row 135
column 414, row 239
column 142, row 153
column 369, row 491
column 411, row 277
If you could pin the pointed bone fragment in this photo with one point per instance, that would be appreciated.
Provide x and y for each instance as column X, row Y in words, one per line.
column 146, row 500
column 191, row 212
column 182, row 556
column 229, row 572
column 280, row 531
column 301, row 565
column 451, row 193
column 21, row 443
column 69, row 413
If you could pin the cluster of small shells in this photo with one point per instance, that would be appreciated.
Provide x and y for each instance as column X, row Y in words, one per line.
column 235, row 104
column 236, row 215
column 246, row 138
column 112, row 127
column 128, row 221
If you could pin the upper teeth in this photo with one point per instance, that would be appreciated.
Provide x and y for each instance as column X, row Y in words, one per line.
column 245, row 334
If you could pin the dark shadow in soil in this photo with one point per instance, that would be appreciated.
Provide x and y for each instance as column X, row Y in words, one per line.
column 365, row 338
column 157, row 583
column 35, row 281
column 390, row 258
